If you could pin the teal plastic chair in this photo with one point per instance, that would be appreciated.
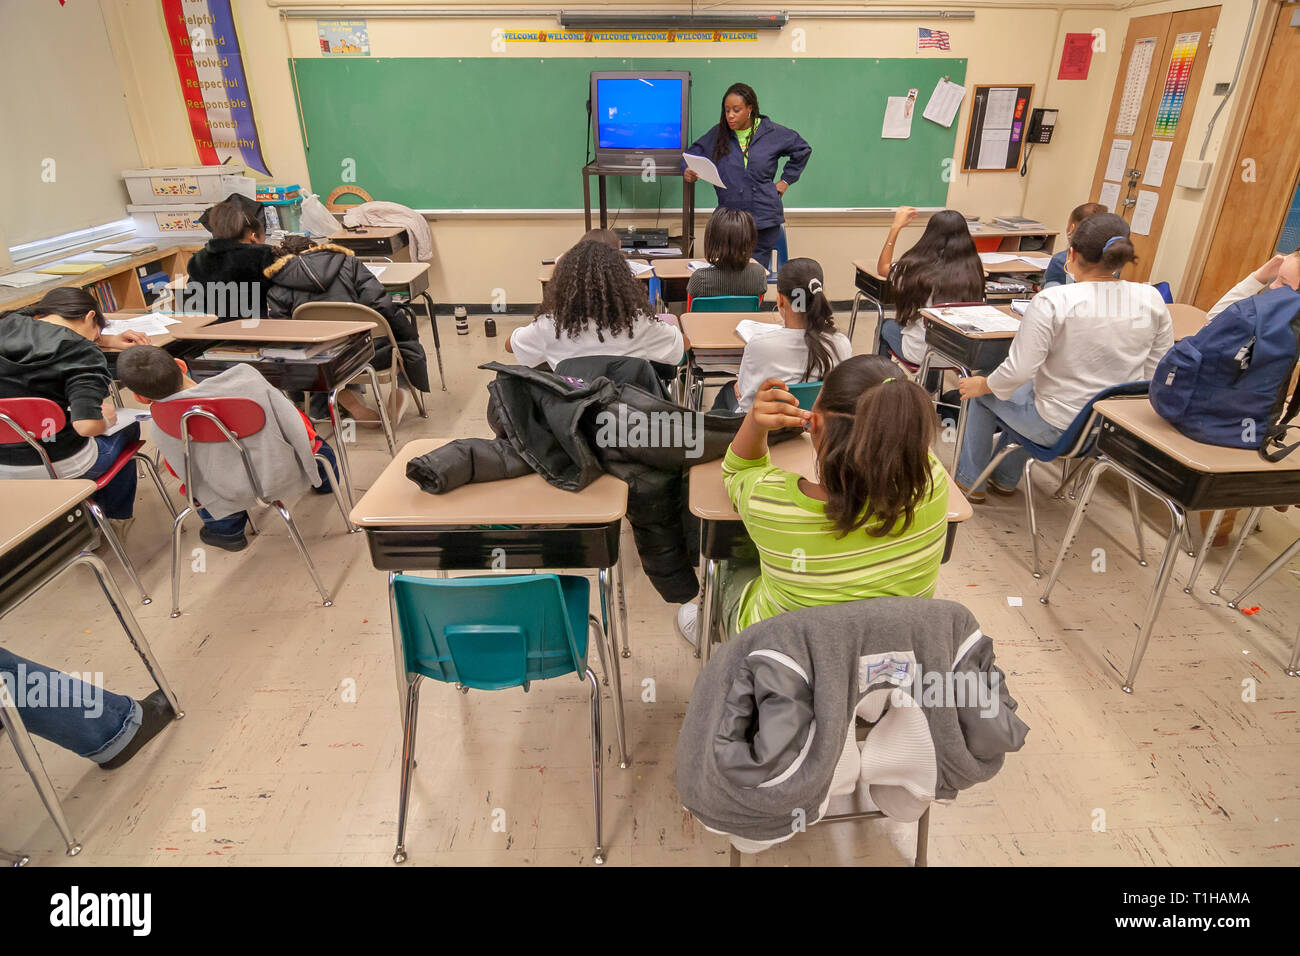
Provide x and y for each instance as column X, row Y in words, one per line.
column 723, row 303
column 492, row 633
column 805, row 392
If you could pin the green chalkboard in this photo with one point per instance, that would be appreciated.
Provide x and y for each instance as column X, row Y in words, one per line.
column 499, row 133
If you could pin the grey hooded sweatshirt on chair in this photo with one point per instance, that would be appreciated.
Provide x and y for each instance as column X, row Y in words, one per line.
column 771, row 713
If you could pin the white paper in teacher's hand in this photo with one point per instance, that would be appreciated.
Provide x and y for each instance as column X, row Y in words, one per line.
column 704, row 168
column 898, row 118
column 944, row 102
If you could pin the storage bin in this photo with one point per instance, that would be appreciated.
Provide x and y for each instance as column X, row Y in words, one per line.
column 172, row 221
column 179, row 184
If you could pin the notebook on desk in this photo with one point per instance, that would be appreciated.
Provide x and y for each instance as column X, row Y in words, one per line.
column 748, row 328
column 977, row 318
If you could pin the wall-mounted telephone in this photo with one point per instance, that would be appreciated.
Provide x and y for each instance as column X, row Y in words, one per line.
column 1041, row 124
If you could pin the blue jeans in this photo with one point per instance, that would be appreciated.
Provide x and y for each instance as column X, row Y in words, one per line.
column 767, row 240
column 233, row 525
column 86, row 719
column 117, row 498
column 891, row 337
column 983, row 415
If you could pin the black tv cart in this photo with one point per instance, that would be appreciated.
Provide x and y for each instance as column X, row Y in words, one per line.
column 687, row 241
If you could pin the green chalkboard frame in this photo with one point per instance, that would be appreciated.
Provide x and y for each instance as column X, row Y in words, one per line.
column 479, row 133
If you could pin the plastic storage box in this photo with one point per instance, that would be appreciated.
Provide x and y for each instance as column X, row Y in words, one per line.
column 175, row 221
column 180, row 184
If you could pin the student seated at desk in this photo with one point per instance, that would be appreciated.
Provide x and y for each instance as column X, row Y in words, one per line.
column 804, row 348
column 306, row 272
column 1074, row 340
column 225, row 276
column 594, row 306
column 281, row 452
column 90, row 721
column 1277, row 272
column 729, row 239
column 871, row 522
column 1056, row 274
column 943, row 266
column 54, row 350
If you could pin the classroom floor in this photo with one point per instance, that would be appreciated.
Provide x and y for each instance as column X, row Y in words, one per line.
column 273, row 766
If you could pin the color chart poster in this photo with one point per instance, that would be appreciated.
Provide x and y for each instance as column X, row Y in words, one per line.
column 1177, row 79
column 205, row 48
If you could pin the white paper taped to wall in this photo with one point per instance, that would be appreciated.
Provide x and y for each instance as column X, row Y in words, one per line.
column 1135, row 85
column 1117, row 162
column 1109, row 196
column 1157, row 163
column 1144, row 213
column 898, row 118
column 944, row 102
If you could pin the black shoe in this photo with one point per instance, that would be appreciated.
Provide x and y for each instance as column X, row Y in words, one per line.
column 226, row 542
column 157, row 714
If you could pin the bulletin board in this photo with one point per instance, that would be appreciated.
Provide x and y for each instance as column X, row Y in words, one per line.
column 997, row 127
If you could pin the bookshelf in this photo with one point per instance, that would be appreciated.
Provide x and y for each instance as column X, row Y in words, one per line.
column 122, row 277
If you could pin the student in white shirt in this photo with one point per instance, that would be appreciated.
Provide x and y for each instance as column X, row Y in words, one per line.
column 1277, row 272
column 594, row 306
column 1074, row 341
column 803, row 349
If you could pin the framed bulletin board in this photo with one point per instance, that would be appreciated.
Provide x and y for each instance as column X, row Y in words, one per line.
column 995, row 132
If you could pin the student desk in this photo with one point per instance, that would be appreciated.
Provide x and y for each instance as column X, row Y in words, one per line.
column 516, row 524
column 1184, row 474
column 411, row 279
column 968, row 352
column 384, row 242
column 188, row 322
column 674, row 274
column 328, row 374
column 711, row 339
column 44, row 531
column 723, row 536
column 548, row 270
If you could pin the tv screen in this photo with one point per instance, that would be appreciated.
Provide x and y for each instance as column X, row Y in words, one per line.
column 639, row 113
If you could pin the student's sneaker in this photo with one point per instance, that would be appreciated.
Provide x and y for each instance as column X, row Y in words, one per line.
column 156, row 714
column 974, row 497
column 1002, row 490
column 121, row 528
column 688, row 620
column 226, row 542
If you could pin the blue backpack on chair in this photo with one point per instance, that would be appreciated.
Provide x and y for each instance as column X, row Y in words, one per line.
column 1229, row 383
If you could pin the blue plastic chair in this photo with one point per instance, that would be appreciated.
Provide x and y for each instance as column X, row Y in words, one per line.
column 1078, row 441
column 782, row 256
column 492, row 633
column 805, row 392
column 723, row 303
column 1165, row 292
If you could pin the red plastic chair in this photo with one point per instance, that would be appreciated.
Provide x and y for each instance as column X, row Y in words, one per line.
column 30, row 419
column 210, row 420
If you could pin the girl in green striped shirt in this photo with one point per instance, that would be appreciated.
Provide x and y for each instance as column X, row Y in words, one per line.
column 872, row 524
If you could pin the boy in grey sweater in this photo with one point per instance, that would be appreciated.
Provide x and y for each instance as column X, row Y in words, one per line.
column 282, row 452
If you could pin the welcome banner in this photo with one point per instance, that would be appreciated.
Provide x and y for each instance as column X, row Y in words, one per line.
column 205, row 47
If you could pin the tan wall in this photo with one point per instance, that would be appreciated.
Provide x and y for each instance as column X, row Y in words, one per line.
column 1005, row 43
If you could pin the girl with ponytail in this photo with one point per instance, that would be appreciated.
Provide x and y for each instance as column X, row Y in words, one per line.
column 870, row 523
column 804, row 348
column 1074, row 340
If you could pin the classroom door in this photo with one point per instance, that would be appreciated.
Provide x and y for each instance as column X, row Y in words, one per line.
column 1263, row 191
column 1150, row 116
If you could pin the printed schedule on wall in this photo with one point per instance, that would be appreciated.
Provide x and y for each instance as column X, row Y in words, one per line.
column 1135, row 84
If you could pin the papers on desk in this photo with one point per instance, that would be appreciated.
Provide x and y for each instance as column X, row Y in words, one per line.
column 696, row 264
column 639, row 268
column 132, row 248
column 376, row 269
column 1020, row 306
column 155, row 323
column 1001, row 258
column 127, row 417
column 704, row 168
column 748, row 328
column 99, row 258
column 68, row 268
column 17, row 280
column 977, row 318
column 664, row 251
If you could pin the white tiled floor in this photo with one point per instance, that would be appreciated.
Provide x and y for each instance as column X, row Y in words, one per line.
column 271, row 764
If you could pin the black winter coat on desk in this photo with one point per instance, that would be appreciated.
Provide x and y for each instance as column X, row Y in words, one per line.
column 552, row 425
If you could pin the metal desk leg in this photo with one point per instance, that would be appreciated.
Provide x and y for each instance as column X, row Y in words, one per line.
column 615, row 671
column 1276, row 565
column 1211, row 530
column 437, row 345
column 1137, row 528
column 14, row 859
column 1158, row 594
column 383, row 410
column 1072, row 529
column 923, row 839
column 624, row 636
column 704, row 631
column 1293, row 668
column 1251, row 520
column 129, row 624
column 345, row 471
column 399, row 651
column 31, row 761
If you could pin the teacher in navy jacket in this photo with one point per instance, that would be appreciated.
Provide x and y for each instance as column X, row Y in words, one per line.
column 747, row 146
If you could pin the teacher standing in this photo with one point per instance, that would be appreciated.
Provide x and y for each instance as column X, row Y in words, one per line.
column 747, row 146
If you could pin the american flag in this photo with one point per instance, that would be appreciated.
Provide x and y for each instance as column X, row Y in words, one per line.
column 931, row 39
